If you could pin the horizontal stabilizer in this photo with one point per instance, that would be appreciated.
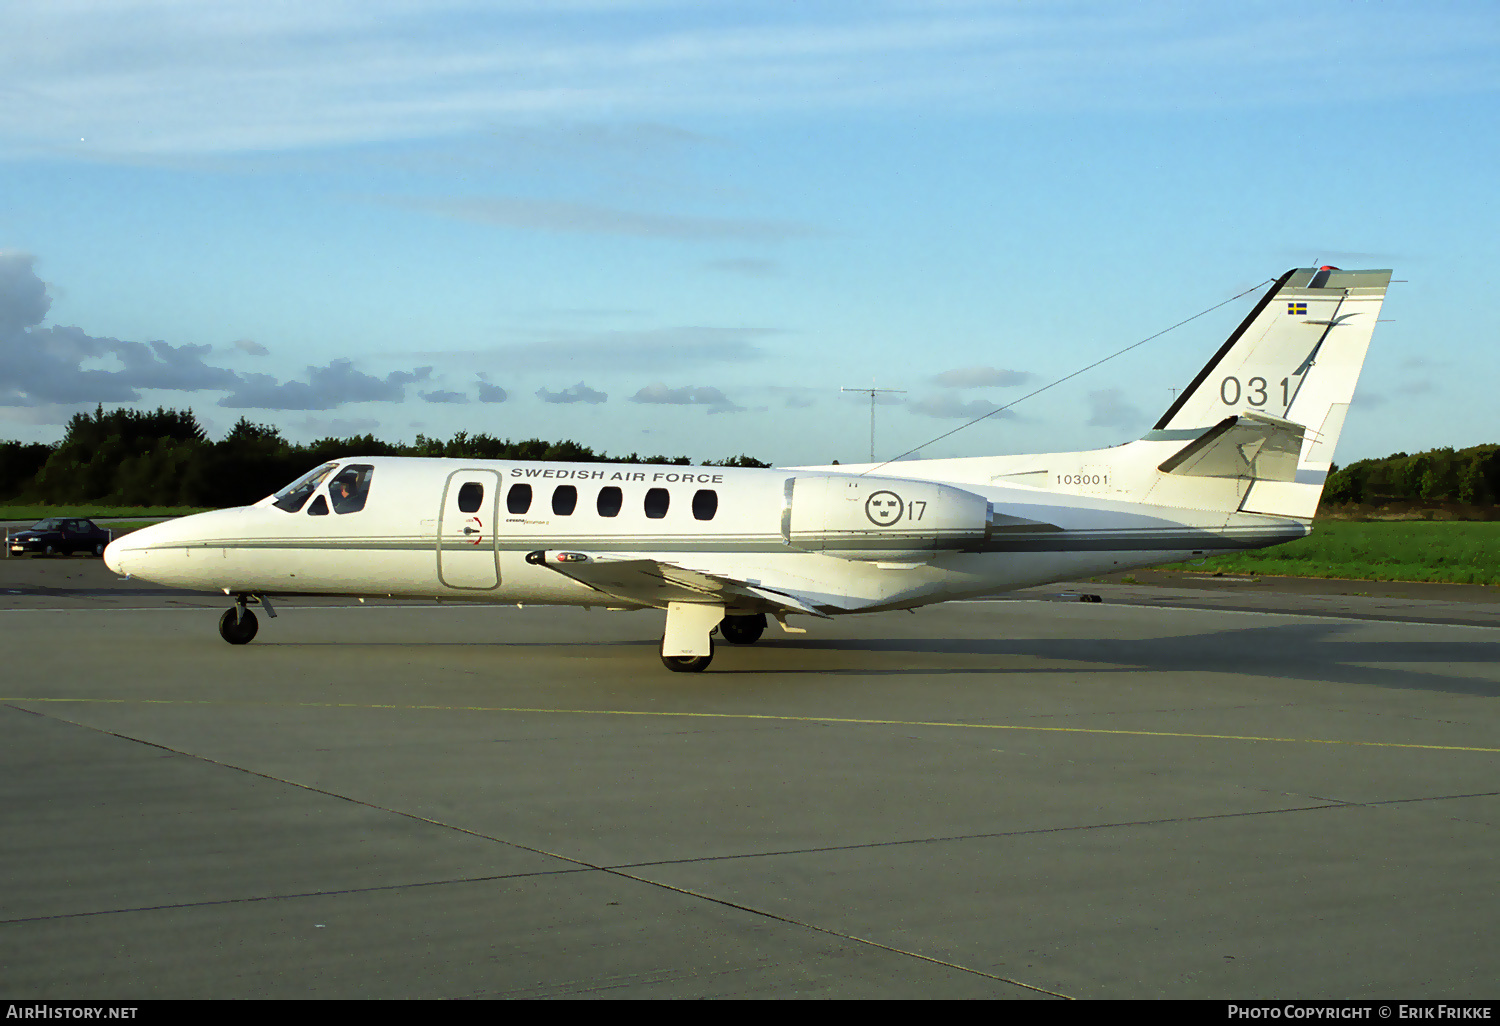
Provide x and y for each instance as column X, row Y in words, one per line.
column 1249, row 445
column 643, row 581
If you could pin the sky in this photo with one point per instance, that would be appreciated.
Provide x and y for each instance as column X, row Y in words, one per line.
column 683, row 228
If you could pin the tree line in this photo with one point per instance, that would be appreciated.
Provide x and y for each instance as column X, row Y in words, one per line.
column 164, row 458
column 1470, row 476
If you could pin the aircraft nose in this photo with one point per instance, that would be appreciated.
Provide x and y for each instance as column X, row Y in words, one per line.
column 118, row 553
column 115, row 552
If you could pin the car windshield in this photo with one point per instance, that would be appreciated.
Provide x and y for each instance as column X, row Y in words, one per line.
column 50, row 524
column 295, row 495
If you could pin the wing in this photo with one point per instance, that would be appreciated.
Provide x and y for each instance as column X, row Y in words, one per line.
column 643, row 581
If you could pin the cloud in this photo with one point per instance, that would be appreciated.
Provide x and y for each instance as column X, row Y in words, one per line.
column 45, row 366
column 883, row 397
column 579, row 393
column 41, row 366
column 325, row 389
column 542, row 215
column 949, row 407
column 750, row 267
column 982, row 377
column 656, row 349
column 251, row 347
column 489, row 393
column 690, row 395
column 162, row 78
column 179, row 368
column 338, row 427
column 1421, row 386
column 1108, row 408
column 444, row 397
column 796, row 397
column 23, row 296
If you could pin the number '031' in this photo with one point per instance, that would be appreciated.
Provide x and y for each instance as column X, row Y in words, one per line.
column 1253, row 391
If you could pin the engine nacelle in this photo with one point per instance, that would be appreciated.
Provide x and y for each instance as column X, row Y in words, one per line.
column 879, row 518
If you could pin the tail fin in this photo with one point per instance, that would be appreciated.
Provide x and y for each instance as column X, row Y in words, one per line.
column 1296, row 358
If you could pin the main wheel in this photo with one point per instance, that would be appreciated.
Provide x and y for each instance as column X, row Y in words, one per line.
column 743, row 630
column 689, row 664
column 236, row 627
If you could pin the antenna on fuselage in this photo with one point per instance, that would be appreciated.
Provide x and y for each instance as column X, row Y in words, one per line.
column 1059, row 381
column 872, row 391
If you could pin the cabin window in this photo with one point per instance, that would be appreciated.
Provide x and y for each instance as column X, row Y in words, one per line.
column 351, row 487
column 470, row 497
column 705, row 504
column 564, row 500
column 657, row 501
column 610, row 500
column 295, row 495
column 518, row 499
column 319, row 507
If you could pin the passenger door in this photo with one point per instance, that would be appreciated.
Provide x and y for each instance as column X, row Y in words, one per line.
column 468, row 554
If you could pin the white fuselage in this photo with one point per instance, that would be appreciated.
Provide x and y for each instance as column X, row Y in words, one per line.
column 837, row 540
column 1238, row 461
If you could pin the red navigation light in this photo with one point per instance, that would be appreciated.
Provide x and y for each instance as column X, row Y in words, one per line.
column 1328, row 267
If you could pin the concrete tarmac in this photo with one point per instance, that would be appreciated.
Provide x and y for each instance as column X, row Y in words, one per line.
column 1031, row 798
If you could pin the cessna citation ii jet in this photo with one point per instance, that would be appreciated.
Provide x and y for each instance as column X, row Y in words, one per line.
column 1237, row 462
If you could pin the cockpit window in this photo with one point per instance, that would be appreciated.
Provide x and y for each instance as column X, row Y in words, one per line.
column 295, row 495
column 319, row 507
column 351, row 487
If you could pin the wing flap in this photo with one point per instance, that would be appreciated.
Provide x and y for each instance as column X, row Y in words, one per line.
column 646, row 581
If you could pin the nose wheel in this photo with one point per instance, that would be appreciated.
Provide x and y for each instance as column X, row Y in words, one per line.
column 238, row 625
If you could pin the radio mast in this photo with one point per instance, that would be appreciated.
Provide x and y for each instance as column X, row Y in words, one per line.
column 871, row 392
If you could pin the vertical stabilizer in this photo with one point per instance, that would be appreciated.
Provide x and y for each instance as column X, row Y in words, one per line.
column 1297, row 357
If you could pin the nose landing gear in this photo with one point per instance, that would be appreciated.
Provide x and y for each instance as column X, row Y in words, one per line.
column 238, row 624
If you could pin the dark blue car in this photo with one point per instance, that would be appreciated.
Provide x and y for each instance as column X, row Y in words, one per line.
column 59, row 536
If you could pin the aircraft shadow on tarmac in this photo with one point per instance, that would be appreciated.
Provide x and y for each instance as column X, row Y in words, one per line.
column 1311, row 652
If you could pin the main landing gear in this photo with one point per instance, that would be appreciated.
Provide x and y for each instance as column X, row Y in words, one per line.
column 743, row 630
column 238, row 624
column 687, row 645
column 688, row 664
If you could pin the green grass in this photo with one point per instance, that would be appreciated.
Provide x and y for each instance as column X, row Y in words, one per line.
column 19, row 513
column 1406, row 550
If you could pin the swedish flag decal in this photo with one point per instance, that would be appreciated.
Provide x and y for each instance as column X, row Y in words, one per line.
column 1297, row 309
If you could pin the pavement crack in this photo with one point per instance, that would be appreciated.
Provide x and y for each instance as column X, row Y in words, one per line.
column 288, row 896
column 580, row 865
